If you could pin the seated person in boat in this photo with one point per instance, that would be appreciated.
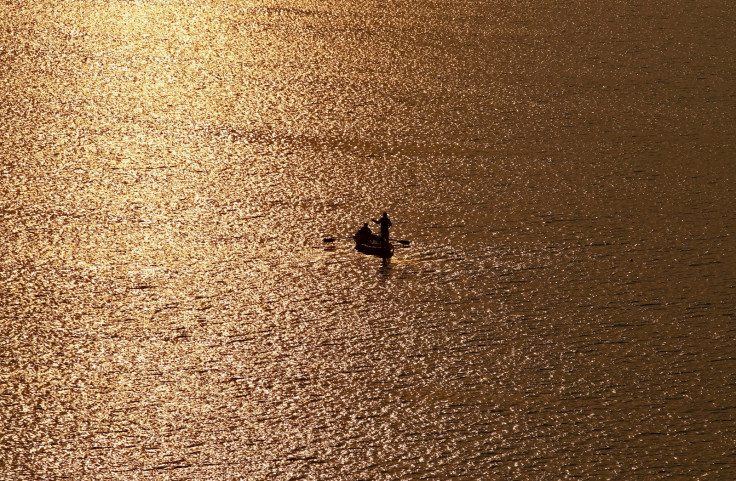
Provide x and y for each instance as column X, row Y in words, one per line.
column 364, row 234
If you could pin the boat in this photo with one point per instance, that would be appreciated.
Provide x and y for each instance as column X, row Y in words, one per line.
column 371, row 244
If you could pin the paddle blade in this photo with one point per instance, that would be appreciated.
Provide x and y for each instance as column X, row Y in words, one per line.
column 405, row 242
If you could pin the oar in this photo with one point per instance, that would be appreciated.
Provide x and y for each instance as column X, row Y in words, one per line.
column 332, row 239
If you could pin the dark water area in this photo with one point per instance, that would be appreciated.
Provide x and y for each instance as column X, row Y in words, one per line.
column 564, row 172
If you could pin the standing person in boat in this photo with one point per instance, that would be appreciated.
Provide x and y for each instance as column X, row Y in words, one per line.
column 385, row 224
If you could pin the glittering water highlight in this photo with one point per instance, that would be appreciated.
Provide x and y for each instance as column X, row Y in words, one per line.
column 564, row 172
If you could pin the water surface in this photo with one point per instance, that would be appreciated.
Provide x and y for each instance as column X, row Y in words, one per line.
column 565, row 173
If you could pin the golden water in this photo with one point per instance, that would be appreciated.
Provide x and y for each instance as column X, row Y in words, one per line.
column 564, row 171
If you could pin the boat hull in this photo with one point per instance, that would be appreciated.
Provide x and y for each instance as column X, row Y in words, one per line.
column 374, row 247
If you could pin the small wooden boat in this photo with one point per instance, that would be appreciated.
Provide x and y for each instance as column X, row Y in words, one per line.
column 372, row 245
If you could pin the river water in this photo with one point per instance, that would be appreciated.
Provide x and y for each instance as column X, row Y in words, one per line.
column 565, row 174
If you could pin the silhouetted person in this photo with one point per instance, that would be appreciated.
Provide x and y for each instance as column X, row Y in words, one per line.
column 385, row 224
column 363, row 234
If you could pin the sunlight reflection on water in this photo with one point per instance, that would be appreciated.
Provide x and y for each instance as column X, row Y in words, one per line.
column 564, row 174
